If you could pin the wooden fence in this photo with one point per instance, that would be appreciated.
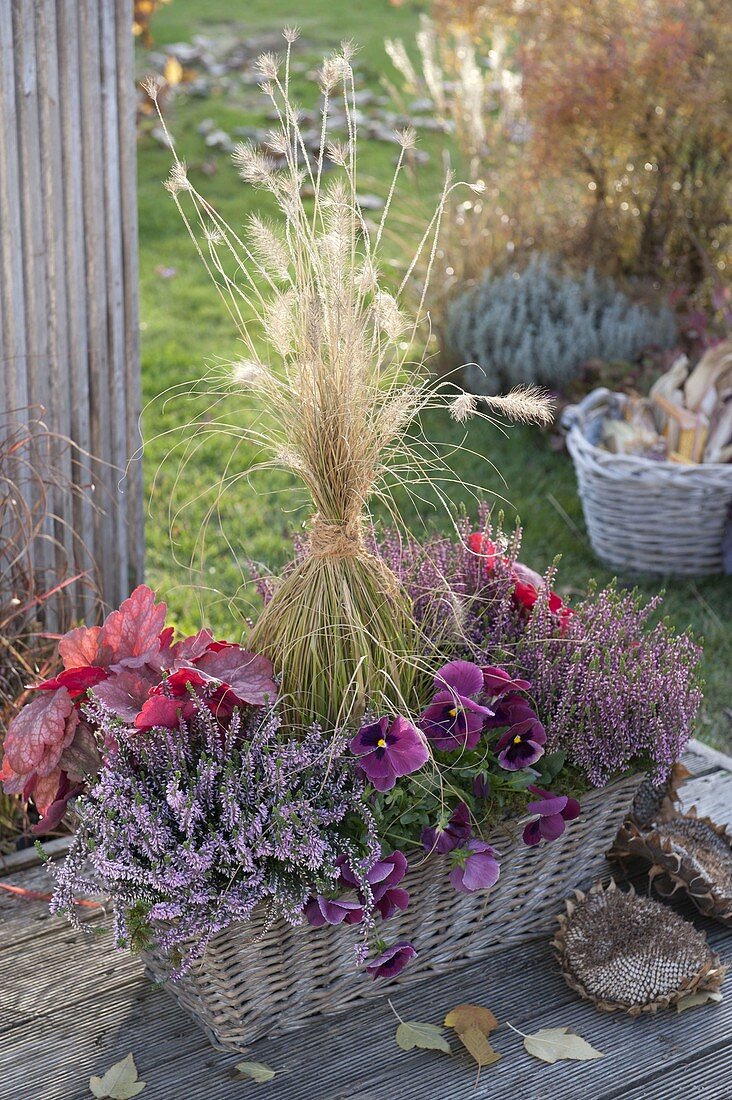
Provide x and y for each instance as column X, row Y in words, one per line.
column 68, row 274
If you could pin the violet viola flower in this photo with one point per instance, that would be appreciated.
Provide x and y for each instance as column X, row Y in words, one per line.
column 521, row 745
column 476, row 867
column 508, row 710
column 383, row 878
column 497, row 681
column 453, row 720
column 320, row 911
column 391, row 961
column 453, row 835
column 553, row 811
column 387, row 752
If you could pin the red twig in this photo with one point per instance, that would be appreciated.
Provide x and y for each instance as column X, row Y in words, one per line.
column 37, row 895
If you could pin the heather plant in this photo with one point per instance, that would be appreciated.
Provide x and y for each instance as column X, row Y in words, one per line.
column 542, row 325
column 330, row 357
column 191, row 828
column 616, row 690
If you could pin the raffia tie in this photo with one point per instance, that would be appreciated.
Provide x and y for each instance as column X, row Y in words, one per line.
column 335, row 540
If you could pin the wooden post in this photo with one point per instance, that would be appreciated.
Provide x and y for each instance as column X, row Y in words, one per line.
column 69, row 332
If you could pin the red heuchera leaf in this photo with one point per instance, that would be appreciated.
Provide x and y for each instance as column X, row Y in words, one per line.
column 83, row 646
column 190, row 649
column 53, row 805
column 248, row 675
column 76, row 680
column 38, row 735
column 163, row 712
column 81, row 757
column 133, row 632
column 124, row 693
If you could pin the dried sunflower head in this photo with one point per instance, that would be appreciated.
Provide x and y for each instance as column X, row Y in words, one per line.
column 626, row 952
column 658, row 802
column 689, row 855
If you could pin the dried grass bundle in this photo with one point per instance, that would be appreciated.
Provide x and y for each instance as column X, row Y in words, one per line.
column 337, row 389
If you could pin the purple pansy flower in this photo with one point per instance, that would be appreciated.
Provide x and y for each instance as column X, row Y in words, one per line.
column 391, row 961
column 521, row 745
column 383, row 878
column 454, row 720
column 320, row 911
column 510, row 709
column 453, row 835
column 496, row 681
column 388, row 751
column 553, row 811
column 476, row 867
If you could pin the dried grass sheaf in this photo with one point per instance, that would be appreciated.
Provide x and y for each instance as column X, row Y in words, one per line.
column 330, row 357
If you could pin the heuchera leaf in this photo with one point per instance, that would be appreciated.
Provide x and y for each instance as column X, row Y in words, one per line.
column 133, row 632
column 247, row 674
column 255, row 1071
column 694, row 999
column 411, row 1034
column 552, row 1044
column 81, row 647
column 125, row 693
column 40, row 732
column 120, row 1082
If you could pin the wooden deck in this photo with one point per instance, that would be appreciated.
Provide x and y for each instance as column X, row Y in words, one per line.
column 71, row 1006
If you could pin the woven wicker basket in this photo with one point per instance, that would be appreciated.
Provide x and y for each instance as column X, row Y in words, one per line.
column 256, row 981
column 644, row 515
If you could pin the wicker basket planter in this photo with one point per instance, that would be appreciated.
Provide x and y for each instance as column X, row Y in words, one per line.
column 644, row 515
column 255, row 981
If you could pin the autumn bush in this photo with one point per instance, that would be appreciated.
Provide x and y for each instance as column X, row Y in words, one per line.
column 632, row 100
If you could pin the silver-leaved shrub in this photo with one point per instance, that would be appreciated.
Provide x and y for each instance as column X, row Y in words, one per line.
column 542, row 325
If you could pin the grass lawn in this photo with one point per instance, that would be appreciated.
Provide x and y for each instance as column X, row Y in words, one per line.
column 186, row 332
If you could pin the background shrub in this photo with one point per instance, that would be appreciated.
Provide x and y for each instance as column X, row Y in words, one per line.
column 542, row 325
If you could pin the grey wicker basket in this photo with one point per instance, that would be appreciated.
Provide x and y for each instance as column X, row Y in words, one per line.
column 643, row 515
column 257, row 980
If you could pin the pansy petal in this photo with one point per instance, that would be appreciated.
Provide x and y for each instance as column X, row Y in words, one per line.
column 462, row 677
column 551, row 827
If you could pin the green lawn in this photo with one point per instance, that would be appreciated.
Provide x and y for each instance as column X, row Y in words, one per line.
column 186, row 332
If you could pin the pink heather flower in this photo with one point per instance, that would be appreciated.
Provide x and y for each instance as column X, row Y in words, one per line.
column 553, row 811
column 454, row 720
column 387, row 752
column 319, row 911
column 476, row 867
column 497, row 681
column 521, row 745
column 453, row 835
column 391, row 961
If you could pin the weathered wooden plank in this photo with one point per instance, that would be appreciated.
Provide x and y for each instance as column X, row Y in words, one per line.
column 13, row 351
column 76, row 311
column 126, row 109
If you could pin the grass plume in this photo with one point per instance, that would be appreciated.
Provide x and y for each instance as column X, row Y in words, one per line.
column 336, row 389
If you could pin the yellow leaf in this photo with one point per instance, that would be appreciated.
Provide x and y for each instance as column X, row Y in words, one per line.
column 120, row 1082
column 551, row 1044
column 173, row 71
column 411, row 1034
column 697, row 999
column 255, row 1071
column 464, row 1016
column 477, row 1045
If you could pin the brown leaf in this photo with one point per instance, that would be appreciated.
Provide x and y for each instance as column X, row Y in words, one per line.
column 476, row 1043
column 464, row 1016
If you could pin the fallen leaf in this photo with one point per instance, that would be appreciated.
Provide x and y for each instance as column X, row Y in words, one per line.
column 473, row 1025
column 697, row 999
column 120, row 1082
column 551, row 1044
column 476, row 1043
column 255, row 1071
column 464, row 1016
column 411, row 1034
